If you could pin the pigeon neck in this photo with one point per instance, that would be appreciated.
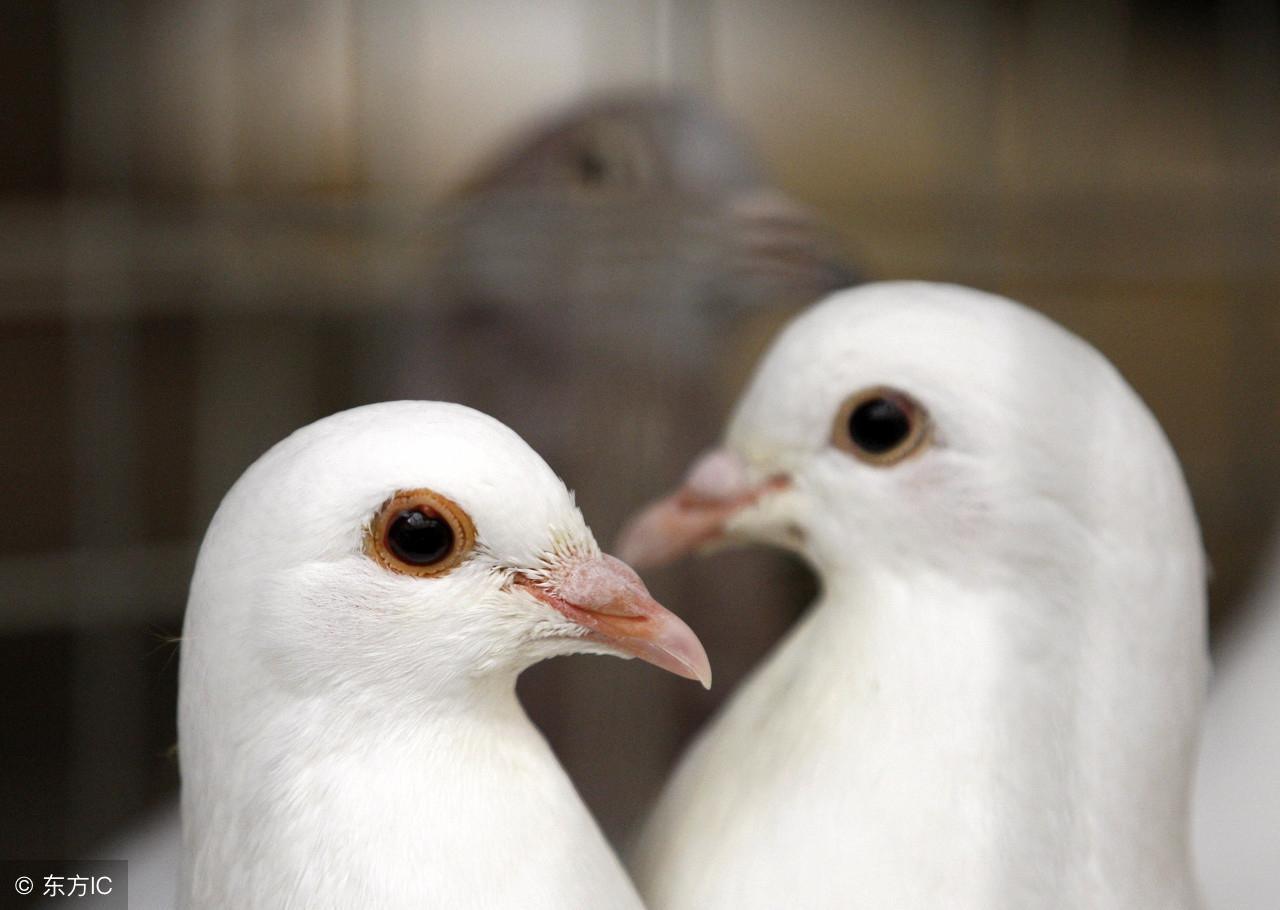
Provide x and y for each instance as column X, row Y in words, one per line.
column 333, row 804
column 1045, row 738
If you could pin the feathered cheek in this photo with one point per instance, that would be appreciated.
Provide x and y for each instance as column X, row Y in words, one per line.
column 310, row 630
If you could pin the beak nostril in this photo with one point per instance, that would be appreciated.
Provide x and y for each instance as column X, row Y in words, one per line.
column 609, row 601
column 717, row 476
column 605, row 585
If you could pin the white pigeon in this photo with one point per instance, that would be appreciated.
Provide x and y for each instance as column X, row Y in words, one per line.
column 1237, row 807
column 994, row 701
column 349, row 730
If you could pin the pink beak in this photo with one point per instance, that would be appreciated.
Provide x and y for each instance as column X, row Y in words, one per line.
column 716, row 488
column 606, row 597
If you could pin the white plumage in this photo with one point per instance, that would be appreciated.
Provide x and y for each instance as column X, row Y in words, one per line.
column 349, row 734
column 1237, row 807
column 994, row 701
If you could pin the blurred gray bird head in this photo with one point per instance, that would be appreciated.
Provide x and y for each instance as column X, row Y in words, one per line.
column 636, row 213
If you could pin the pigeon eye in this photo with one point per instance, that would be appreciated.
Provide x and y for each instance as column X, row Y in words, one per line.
column 420, row 532
column 610, row 156
column 881, row 426
column 591, row 166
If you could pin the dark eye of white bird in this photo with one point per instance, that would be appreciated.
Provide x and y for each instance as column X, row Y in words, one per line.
column 420, row 532
column 419, row 538
column 880, row 425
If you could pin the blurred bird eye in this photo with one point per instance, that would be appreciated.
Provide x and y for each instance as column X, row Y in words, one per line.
column 881, row 426
column 610, row 156
column 592, row 167
column 420, row 532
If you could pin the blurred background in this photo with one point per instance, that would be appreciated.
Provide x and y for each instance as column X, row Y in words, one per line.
column 222, row 219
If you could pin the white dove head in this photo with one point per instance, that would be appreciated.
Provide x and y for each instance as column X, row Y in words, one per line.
column 409, row 549
column 915, row 427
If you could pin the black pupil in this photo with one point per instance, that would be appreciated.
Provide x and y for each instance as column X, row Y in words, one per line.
column 591, row 166
column 879, row 425
column 419, row 538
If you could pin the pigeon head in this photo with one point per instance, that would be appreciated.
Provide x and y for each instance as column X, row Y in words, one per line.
column 913, row 427
column 413, row 547
column 635, row 201
column 626, row 144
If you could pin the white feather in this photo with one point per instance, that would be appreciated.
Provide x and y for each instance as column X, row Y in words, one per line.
column 1237, row 807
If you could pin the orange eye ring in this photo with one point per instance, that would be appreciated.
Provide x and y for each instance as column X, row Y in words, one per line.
column 881, row 426
column 420, row 533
